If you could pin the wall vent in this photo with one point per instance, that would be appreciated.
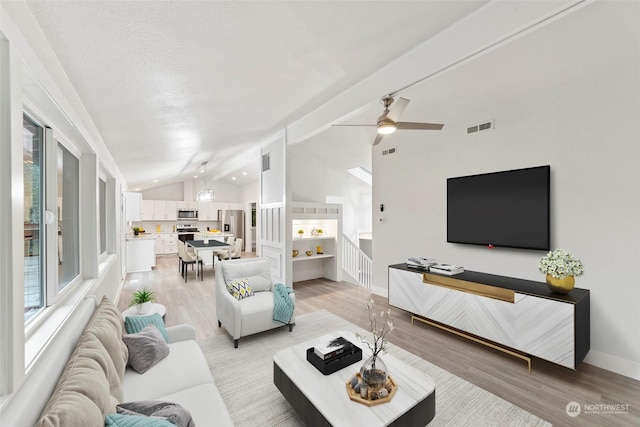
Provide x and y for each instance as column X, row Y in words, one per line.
column 480, row 127
column 389, row 151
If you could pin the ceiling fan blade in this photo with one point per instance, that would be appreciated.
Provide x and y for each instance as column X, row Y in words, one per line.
column 378, row 139
column 419, row 126
column 342, row 124
column 397, row 108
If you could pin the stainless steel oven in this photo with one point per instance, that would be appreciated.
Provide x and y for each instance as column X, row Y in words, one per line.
column 186, row 231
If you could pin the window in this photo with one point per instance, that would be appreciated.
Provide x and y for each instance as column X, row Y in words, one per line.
column 34, row 254
column 68, row 226
column 103, row 214
column 56, row 250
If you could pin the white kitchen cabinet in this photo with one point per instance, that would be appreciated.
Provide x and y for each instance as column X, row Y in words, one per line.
column 188, row 205
column 229, row 206
column 159, row 210
column 166, row 210
column 147, row 210
column 170, row 243
column 133, row 206
column 208, row 211
column 159, row 244
column 166, row 243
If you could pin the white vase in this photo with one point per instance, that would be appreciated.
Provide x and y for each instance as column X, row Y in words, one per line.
column 144, row 307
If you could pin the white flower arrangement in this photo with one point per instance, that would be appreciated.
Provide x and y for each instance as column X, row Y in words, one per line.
column 560, row 264
column 378, row 333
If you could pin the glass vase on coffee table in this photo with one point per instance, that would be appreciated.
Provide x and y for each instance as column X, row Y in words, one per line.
column 374, row 372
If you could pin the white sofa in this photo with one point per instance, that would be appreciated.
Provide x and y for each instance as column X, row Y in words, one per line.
column 249, row 315
column 96, row 378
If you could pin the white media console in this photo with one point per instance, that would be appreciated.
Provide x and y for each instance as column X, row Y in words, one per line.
column 517, row 314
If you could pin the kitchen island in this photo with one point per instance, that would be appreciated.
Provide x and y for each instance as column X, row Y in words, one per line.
column 141, row 254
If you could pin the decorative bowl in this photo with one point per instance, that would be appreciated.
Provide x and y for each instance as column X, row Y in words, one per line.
column 295, row 253
column 309, row 253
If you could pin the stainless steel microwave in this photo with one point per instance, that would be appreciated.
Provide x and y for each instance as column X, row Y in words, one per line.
column 191, row 214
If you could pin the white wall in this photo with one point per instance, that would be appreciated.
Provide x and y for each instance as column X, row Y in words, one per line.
column 166, row 192
column 223, row 192
column 584, row 123
column 274, row 221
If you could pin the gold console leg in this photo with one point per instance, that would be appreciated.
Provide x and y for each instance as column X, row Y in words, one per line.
column 506, row 350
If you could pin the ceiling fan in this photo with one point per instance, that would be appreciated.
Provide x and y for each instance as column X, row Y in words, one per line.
column 388, row 121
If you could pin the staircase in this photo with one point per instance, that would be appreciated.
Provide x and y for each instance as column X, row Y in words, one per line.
column 356, row 263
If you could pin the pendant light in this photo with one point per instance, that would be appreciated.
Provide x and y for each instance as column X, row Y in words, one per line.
column 205, row 195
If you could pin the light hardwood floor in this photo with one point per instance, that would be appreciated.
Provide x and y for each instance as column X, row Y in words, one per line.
column 545, row 393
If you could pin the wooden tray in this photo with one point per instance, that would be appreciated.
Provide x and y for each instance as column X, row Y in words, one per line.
column 356, row 396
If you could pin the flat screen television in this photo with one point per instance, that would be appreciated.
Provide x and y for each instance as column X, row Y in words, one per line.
column 500, row 209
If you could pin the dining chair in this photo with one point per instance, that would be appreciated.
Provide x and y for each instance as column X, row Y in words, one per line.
column 230, row 241
column 236, row 250
column 189, row 259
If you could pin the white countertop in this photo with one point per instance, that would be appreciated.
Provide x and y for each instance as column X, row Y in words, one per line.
column 153, row 234
column 141, row 236
column 210, row 234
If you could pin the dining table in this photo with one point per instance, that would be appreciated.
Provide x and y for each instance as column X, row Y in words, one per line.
column 203, row 246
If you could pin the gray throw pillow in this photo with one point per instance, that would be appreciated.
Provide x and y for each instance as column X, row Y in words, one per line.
column 173, row 412
column 146, row 348
column 134, row 324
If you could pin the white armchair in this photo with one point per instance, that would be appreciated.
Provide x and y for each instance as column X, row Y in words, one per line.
column 252, row 314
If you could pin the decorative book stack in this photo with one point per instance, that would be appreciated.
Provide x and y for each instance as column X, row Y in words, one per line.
column 421, row 263
column 447, row 269
column 334, row 355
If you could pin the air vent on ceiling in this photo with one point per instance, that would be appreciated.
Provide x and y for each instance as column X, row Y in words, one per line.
column 480, row 127
column 389, row 151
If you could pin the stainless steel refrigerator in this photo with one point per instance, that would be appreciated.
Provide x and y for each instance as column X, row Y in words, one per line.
column 233, row 222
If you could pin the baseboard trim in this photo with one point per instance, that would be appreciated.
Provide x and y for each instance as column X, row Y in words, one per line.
column 383, row 292
column 621, row 366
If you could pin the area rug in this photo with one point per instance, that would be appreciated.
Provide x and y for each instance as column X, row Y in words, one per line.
column 244, row 377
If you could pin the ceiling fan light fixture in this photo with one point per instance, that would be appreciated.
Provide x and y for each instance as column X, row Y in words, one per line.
column 386, row 126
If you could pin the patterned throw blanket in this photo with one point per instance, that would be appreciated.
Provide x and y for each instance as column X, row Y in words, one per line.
column 283, row 305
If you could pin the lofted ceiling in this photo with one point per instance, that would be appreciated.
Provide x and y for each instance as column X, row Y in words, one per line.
column 172, row 84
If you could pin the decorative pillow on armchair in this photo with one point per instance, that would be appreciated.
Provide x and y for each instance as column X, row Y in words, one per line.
column 240, row 289
column 146, row 348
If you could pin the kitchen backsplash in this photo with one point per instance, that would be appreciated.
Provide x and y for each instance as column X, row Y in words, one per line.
column 169, row 226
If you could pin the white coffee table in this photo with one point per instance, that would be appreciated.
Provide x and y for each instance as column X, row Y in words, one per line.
column 323, row 400
column 155, row 308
